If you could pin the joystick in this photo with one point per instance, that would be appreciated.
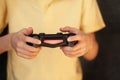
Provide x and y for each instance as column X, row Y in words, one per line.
column 59, row 36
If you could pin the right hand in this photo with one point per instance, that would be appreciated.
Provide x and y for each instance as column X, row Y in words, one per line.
column 18, row 43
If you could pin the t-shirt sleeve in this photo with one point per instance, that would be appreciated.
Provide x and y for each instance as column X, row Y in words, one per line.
column 3, row 15
column 91, row 20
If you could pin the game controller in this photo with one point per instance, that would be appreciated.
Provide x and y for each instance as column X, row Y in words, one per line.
column 59, row 36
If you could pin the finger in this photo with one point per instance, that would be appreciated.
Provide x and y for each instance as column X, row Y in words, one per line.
column 75, row 38
column 27, row 31
column 77, row 53
column 32, row 40
column 80, row 53
column 21, row 52
column 65, row 52
column 78, row 46
column 66, row 49
column 69, row 29
column 74, row 51
column 24, row 56
column 31, row 48
column 24, row 46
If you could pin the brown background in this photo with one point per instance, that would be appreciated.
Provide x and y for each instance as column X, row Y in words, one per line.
column 107, row 64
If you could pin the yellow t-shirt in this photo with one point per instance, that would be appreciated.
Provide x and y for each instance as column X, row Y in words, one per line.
column 48, row 16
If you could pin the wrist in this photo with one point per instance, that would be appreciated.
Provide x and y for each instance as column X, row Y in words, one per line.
column 10, row 36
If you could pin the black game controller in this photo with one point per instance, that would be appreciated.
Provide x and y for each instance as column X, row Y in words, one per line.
column 58, row 36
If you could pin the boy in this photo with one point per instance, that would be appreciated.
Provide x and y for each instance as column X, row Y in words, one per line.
column 25, row 62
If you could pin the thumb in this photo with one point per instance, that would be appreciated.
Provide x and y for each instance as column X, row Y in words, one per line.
column 69, row 29
column 28, row 31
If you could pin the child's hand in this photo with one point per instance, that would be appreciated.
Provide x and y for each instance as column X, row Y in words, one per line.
column 82, row 47
column 18, row 43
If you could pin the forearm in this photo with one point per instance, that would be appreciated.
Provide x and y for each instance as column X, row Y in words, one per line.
column 5, row 43
column 93, row 51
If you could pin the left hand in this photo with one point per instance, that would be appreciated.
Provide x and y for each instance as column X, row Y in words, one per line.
column 18, row 43
column 82, row 47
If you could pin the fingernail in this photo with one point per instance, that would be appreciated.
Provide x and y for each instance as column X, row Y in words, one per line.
column 39, row 42
column 69, row 39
